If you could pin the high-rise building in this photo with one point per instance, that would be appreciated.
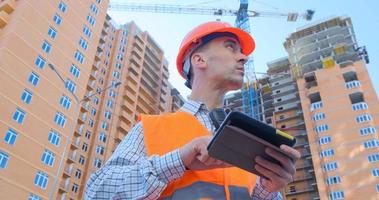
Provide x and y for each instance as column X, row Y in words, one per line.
column 73, row 86
column 340, row 108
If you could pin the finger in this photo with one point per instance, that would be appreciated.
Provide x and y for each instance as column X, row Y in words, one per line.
column 270, row 176
column 275, row 168
column 295, row 154
column 285, row 161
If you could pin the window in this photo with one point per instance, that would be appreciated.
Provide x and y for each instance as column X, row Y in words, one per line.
column 91, row 20
column 78, row 173
column 316, row 105
column 41, row 179
column 26, row 96
column 337, row 195
column 116, row 74
column 321, row 128
column 3, row 160
column 57, row 19
column 97, row 163
column 60, row 119
column 377, row 187
column 318, row 116
column 360, row 106
column 82, row 160
column 75, row 188
column 118, row 65
column 110, row 104
column 75, row 71
column 48, row 158
column 79, row 57
column 46, row 47
column 40, row 62
column 33, row 79
column 375, row 172
column 112, row 93
column 100, row 150
column 54, row 138
column 363, row 118
column 373, row 157
column 71, row 86
column 371, row 144
column 93, row 111
column 83, row 43
column 333, row 180
column 367, row 130
column 52, row 33
column 325, row 140
column 10, row 137
column 34, row 197
column 85, row 147
column 94, row 9
column 65, row 102
column 62, row 6
column 90, row 123
column 327, row 153
column 98, row 1
column 103, row 137
column 88, row 134
column 107, row 115
column 87, row 31
column 330, row 166
column 104, row 126
column 19, row 116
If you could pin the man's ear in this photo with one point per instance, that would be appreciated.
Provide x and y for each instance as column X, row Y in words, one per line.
column 198, row 60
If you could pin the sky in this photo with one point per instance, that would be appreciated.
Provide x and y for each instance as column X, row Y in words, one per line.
column 269, row 33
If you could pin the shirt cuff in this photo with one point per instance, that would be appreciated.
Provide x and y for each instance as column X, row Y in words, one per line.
column 170, row 166
column 261, row 193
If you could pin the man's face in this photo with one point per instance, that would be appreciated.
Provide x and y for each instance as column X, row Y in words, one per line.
column 225, row 62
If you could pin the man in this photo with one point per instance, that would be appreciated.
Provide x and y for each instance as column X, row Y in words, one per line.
column 165, row 157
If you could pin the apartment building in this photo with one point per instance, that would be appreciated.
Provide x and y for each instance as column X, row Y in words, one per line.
column 73, row 86
column 340, row 108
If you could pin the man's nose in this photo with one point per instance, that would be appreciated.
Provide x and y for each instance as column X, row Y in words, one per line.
column 242, row 58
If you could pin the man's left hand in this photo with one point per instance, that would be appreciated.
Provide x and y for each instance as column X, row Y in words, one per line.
column 277, row 176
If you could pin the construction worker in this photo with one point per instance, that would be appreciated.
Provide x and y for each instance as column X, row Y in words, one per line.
column 165, row 156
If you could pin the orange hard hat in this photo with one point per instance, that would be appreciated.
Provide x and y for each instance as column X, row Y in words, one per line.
column 194, row 37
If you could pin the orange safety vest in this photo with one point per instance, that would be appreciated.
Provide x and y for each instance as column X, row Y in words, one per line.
column 165, row 133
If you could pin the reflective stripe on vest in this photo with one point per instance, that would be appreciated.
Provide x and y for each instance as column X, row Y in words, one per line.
column 165, row 133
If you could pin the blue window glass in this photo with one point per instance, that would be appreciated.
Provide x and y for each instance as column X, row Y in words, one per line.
column 26, row 96
column 79, row 57
column 83, row 43
column 75, row 71
column 4, row 157
column 46, row 47
column 48, row 158
column 40, row 62
column 33, row 79
column 54, row 138
column 52, row 33
column 41, row 179
column 19, row 116
column 60, row 119
column 71, row 86
column 10, row 137
column 34, row 197
column 65, row 102
column 57, row 19
column 62, row 6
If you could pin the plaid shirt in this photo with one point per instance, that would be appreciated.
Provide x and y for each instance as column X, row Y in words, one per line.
column 130, row 174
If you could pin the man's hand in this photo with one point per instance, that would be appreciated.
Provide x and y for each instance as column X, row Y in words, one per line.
column 277, row 176
column 195, row 155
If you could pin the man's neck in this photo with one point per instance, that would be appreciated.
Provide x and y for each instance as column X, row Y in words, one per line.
column 211, row 98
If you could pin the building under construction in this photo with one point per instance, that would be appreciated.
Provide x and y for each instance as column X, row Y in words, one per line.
column 322, row 94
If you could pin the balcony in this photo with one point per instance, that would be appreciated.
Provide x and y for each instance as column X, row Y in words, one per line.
column 352, row 84
column 75, row 144
column 311, row 84
column 96, row 65
column 85, row 107
column 91, row 85
column 7, row 6
column 68, row 171
column 299, row 191
column 64, row 185
column 72, row 156
column 4, row 19
column 302, row 178
column 79, row 130
column 98, row 56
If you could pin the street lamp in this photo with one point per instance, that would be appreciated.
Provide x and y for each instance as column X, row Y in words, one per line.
column 73, row 124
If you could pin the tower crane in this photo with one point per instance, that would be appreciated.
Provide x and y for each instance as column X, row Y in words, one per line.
column 250, row 96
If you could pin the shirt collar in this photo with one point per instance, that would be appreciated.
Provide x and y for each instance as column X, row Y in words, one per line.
column 193, row 107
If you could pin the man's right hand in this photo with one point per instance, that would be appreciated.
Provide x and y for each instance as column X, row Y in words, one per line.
column 195, row 155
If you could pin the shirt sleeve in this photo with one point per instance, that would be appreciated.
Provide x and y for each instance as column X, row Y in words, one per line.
column 259, row 192
column 130, row 174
